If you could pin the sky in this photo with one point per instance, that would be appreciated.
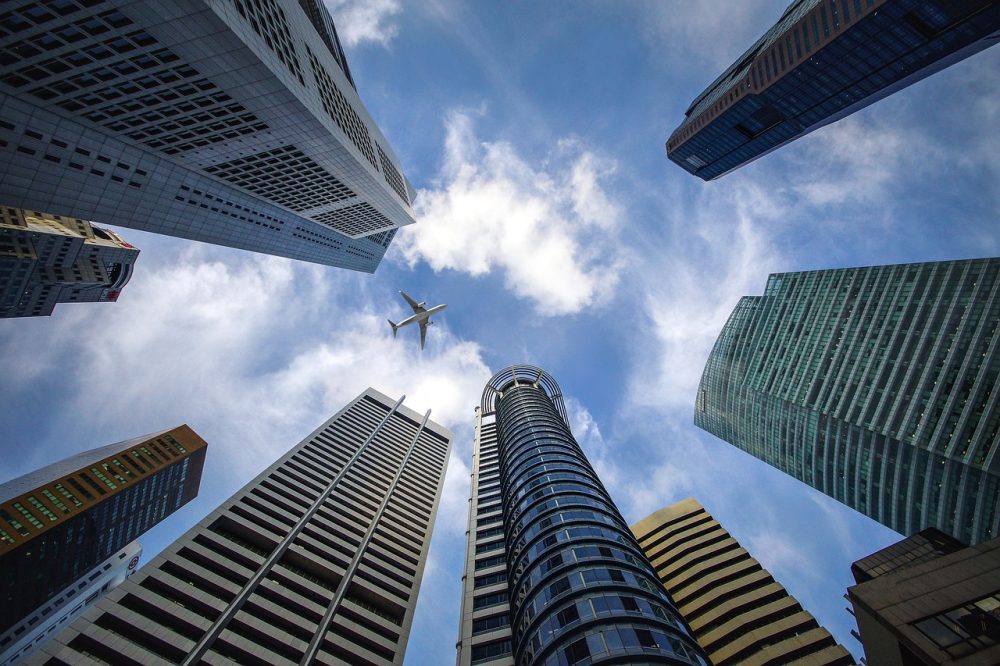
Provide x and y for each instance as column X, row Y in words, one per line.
column 552, row 224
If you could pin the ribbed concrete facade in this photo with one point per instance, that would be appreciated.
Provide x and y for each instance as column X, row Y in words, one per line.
column 552, row 574
column 879, row 386
column 824, row 60
column 316, row 561
column 233, row 122
column 734, row 607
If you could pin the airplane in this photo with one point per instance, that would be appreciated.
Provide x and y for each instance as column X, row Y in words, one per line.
column 420, row 314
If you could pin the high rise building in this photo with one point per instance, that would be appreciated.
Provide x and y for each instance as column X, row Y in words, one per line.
column 316, row 561
column 552, row 573
column 62, row 521
column 22, row 639
column 233, row 122
column 878, row 386
column 47, row 259
column 929, row 600
column 824, row 60
column 734, row 607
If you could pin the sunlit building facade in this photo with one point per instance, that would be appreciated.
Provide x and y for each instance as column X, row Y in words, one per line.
column 824, row 60
column 878, row 386
column 318, row 560
column 735, row 608
column 62, row 521
column 553, row 575
column 47, row 259
column 234, row 122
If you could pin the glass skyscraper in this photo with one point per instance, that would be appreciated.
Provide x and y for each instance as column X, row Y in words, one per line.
column 553, row 575
column 824, row 60
column 878, row 386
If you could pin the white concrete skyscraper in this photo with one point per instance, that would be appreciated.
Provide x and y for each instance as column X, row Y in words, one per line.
column 233, row 122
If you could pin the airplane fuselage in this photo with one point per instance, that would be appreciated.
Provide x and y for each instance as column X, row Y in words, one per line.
column 422, row 315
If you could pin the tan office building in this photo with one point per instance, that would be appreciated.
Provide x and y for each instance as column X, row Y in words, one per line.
column 734, row 607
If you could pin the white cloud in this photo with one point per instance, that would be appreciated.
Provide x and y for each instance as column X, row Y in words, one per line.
column 365, row 20
column 550, row 229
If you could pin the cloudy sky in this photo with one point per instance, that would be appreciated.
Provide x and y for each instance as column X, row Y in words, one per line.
column 551, row 222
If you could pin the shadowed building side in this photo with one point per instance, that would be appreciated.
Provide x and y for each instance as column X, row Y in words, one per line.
column 734, row 607
column 824, row 60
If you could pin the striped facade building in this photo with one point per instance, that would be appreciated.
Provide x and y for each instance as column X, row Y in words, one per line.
column 234, row 122
column 316, row 561
column 60, row 524
column 878, row 386
column 823, row 60
column 734, row 607
column 552, row 574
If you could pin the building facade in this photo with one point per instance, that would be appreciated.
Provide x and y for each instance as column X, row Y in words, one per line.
column 552, row 574
column 233, row 122
column 62, row 521
column 24, row 638
column 316, row 561
column 823, row 60
column 47, row 259
column 878, row 386
column 734, row 607
column 929, row 600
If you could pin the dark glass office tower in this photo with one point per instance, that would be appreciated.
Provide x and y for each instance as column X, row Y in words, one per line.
column 824, row 60
column 316, row 561
column 61, row 521
column 878, row 386
column 553, row 574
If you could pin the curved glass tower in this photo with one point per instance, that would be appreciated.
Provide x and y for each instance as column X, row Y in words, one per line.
column 577, row 586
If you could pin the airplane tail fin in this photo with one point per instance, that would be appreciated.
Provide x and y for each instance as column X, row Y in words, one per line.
column 394, row 327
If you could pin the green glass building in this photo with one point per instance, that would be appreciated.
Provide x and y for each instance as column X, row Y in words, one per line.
column 877, row 386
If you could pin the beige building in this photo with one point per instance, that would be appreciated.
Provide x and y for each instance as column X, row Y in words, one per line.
column 734, row 607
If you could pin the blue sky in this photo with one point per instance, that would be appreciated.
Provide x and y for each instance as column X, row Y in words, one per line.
column 559, row 234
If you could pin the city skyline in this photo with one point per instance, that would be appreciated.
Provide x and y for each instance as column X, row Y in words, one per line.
column 544, row 199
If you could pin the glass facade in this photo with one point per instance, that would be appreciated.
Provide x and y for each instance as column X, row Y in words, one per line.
column 822, row 61
column 573, row 586
column 877, row 386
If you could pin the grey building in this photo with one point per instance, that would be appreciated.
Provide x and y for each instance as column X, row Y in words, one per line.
column 233, row 122
column 878, row 386
column 823, row 60
column 929, row 601
column 553, row 575
column 316, row 561
column 47, row 259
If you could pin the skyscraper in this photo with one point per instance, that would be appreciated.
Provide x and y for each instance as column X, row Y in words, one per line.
column 823, row 60
column 316, row 561
column 47, row 259
column 233, row 122
column 63, row 520
column 878, row 386
column 21, row 640
column 929, row 600
column 552, row 573
column 734, row 607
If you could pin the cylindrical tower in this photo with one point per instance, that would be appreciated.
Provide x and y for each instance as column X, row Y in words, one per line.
column 580, row 588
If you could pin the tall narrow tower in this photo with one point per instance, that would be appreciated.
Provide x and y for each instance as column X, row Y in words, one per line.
column 233, row 122
column 316, row 561
column 878, row 386
column 62, row 521
column 552, row 573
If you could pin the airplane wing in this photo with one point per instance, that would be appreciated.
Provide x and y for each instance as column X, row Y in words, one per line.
column 417, row 308
column 423, row 333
